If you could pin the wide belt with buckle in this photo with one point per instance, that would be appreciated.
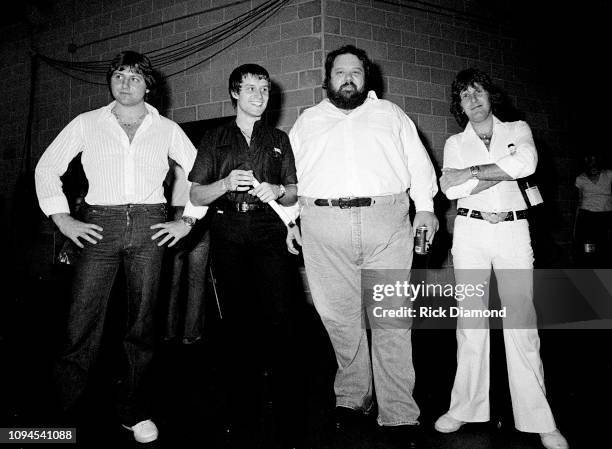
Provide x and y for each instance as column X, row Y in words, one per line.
column 243, row 206
column 344, row 203
column 493, row 217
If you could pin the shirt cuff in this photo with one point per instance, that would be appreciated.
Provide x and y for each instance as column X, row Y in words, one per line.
column 54, row 205
column 423, row 204
column 293, row 212
column 512, row 165
column 194, row 211
column 462, row 190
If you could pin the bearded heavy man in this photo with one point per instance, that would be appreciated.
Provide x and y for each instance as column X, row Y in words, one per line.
column 359, row 160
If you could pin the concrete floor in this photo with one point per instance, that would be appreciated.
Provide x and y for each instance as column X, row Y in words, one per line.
column 578, row 366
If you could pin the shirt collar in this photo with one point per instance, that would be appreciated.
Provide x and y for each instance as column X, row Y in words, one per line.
column 106, row 111
column 469, row 129
column 256, row 126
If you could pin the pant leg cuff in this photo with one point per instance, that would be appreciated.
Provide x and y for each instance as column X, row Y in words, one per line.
column 414, row 422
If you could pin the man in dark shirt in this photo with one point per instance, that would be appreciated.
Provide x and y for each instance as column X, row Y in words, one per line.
column 240, row 168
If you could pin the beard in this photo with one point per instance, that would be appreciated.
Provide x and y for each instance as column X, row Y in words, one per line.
column 347, row 99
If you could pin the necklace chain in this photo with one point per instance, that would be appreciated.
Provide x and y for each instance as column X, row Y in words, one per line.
column 486, row 138
column 130, row 124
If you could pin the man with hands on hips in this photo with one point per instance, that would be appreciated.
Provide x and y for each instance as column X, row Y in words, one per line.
column 125, row 148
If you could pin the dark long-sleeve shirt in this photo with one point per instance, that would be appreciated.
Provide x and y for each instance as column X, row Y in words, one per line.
column 224, row 149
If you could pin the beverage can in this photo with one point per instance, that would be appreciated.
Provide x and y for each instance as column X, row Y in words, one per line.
column 420, row 241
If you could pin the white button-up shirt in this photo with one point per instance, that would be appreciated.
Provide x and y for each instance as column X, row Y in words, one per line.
column 118, row 172
column 373, row 151
column 512, row 149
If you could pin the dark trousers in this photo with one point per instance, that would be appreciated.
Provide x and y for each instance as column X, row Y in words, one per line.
column 256, row 280
column 126, row 243
column 593, row 232
column 189, row 269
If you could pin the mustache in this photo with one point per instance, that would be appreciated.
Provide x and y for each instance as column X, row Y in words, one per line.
column 349, row 83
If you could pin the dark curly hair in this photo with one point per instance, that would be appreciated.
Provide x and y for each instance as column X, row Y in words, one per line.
column 352, row 50
column 135, row 62
column 468, row 78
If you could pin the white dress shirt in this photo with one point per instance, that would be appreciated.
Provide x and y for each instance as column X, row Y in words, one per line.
column 118, row 171
column 179, row 186
column 375, row 150
column 512, row 149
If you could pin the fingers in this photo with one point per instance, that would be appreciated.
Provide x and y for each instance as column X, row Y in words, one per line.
column 95, row 234
column 88, row 238
column 163, row 241
column 165, row 233
column 298, row 237
column 159, row 234
column 291, row 247
column 75, row 230
column 432, row 228
column 430, row 234
column 88, row 232
column 240, row 180
column 264, row 191
column 171, row 231
column 78, row 243
column 293, row 234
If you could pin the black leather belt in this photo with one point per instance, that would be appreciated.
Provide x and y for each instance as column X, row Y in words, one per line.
column 230, row 206
column 478, row 215
column 344, row 203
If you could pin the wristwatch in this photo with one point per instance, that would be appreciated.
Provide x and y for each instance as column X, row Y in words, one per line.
column 282, row 191
column 474, row 170
column 189, row 221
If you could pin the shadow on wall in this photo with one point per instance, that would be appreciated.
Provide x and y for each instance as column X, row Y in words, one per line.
column 275, row 104
column 546, row 220
column 159, row 97
column 376, row 80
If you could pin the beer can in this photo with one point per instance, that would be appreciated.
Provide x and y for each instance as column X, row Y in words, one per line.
column 420, row 241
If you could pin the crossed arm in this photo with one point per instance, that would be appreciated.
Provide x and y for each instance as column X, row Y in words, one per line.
column 489, row 175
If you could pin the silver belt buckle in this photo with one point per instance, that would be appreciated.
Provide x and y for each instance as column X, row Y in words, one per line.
column 344, row 203
column 493, row 217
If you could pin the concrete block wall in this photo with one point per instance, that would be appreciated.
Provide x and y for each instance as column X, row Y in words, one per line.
column 417, row 49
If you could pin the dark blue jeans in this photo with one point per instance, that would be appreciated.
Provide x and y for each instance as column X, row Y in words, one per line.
column 126, row 243
column 189, row 264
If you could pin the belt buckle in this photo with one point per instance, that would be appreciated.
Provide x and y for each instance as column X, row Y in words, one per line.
column 243, row 206
column 344, row 203
column 493, row 217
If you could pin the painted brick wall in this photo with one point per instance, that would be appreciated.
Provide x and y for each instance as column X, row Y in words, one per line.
column 418, row 50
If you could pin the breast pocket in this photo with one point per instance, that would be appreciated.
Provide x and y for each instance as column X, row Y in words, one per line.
column 273, row 157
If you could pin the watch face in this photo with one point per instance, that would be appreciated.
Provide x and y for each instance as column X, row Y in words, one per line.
column 188, row 220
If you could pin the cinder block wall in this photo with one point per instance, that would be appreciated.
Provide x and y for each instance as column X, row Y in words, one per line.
column 417, row 46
